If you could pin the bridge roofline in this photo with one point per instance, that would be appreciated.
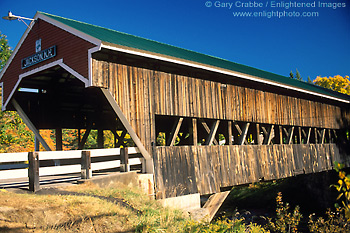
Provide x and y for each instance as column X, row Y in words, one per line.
column 119, row 41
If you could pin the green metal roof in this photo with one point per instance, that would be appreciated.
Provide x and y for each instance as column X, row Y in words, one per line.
column 135, row 42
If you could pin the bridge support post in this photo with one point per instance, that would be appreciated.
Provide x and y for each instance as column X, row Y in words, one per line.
column 128, row 127
column 33, row 171
column 59, row 144
column 214, row 203
column 86, row 172
column 124, row 160
column 30, row 125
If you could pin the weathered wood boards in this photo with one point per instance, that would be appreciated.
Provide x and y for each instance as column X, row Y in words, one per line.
column 205, row 169
column 143, row 93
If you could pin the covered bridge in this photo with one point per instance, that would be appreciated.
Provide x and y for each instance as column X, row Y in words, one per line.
column 201, row 123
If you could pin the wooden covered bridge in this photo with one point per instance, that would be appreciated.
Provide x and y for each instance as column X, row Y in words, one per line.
column 202, row 123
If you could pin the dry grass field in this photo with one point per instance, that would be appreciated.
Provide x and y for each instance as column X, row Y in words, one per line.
column 85, row 208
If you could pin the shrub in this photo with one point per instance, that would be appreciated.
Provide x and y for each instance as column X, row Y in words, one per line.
column 284, row 221
column 338, row 220
column 343, row 187
column 334, row 222
column 223, row 225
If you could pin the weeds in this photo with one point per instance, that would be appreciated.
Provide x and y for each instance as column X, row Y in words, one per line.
column 343, row 187
column 285, row 221
column 333, row 223
column 338, row 220
column 93, row 209
column 223, row 225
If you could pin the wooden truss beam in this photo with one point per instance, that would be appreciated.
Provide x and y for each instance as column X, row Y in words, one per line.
column 194, row 132
column 243, row 137
column 290, row 135
column 264, row 130
column 229, row 128
column 303, row 133
column 128, row 127
column 258, row 140
column 243, row 133
column 100, row 141
column 315, row 133
column 214, row 203
column 335, row 134
column 79, row 136
column 322, row 135
column 119, row 138
column 212, row 133
column 174, row 132
column 308, row 136
column 30, row 125
column 299, row 135
column 318, row 135
column 280, row 134
column 58, row 133
column 85, row 137
column 285, row 131
column 268, row 134
column 206, row 127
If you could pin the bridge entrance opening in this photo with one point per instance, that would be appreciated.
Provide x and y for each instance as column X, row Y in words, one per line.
column 56, row 99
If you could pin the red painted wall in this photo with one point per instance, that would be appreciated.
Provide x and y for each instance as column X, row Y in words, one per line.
column 71, row 48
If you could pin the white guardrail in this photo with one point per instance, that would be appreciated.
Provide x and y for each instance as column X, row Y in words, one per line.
column 15, row 165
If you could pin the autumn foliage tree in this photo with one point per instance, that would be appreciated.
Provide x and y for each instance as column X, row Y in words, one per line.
column 14, row 135
column 336, row 83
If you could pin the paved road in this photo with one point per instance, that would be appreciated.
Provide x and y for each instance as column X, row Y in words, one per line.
column 49, row 181
column 45, row 181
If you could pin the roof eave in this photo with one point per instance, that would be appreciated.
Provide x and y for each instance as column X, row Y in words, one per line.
column 69, row 29
column 19, row 44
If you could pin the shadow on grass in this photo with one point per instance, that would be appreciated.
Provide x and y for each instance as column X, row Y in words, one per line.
column 115, row 200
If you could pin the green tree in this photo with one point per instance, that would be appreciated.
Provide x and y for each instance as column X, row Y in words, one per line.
column 297, row 75
column 309, row 79
column 5, row 51
column 291, row 75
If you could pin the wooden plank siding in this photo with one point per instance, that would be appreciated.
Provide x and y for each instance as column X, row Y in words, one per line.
column 206, row 169
column 143, row 93
column 70, row 48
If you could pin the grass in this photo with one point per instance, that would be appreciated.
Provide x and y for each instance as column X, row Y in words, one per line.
column 86, row 208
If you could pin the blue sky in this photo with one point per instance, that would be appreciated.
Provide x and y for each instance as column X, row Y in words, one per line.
column 315, row 46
